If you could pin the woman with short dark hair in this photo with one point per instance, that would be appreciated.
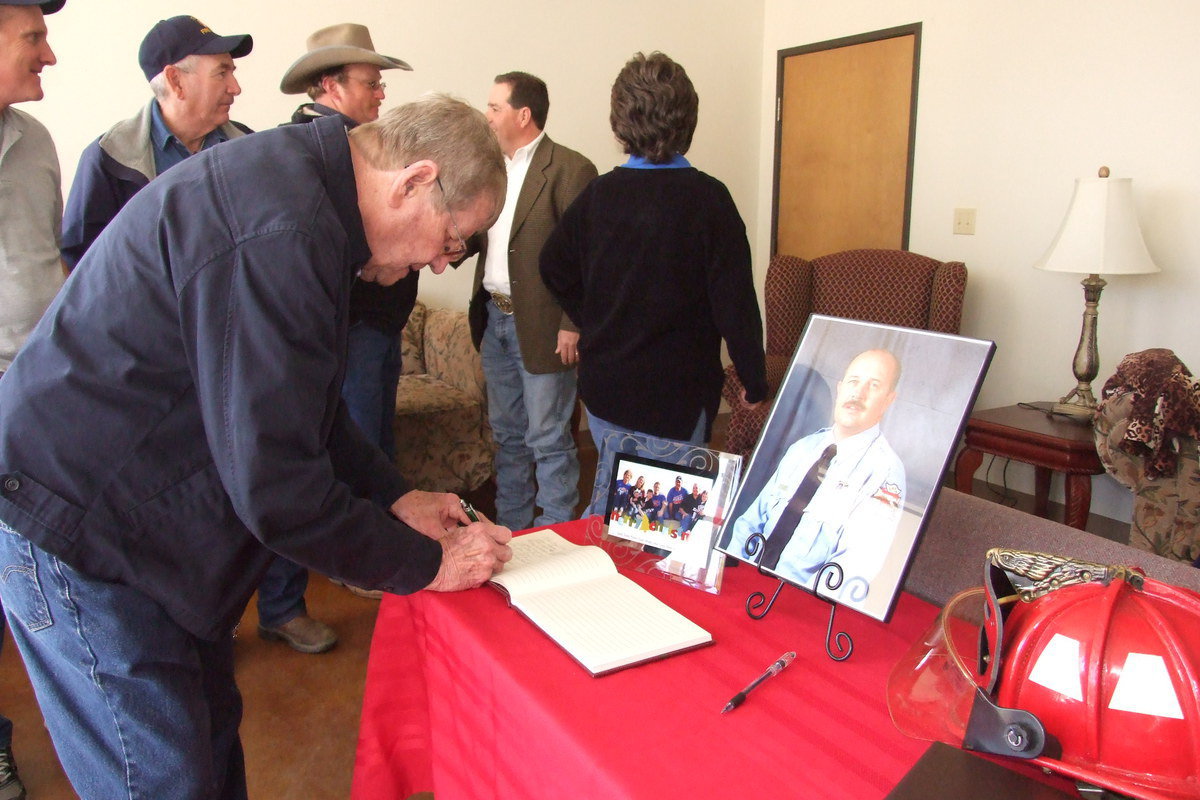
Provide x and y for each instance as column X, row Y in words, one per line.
column 651, row 262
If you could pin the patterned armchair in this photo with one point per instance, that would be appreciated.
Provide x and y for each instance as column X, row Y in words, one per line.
column 893, row 287
column 1145, row 432
column 443, row 441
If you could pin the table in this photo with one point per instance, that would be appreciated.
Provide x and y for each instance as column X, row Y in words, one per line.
column 465, row 697
column 1049, row 443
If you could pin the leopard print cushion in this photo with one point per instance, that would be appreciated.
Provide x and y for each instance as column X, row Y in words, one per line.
column 1164, row 406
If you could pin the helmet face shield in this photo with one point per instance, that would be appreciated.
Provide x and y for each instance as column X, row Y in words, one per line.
column 931, row 689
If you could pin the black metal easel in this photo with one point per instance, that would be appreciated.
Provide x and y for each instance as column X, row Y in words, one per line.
column 838, row 646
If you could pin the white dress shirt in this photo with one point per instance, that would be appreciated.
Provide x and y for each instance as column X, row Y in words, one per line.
column 495, row 268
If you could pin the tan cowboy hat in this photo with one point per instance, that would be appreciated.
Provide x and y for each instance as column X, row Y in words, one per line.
column 333, row 47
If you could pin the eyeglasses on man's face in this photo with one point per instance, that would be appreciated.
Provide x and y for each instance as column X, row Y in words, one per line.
column 374, row 86
column 459, row 247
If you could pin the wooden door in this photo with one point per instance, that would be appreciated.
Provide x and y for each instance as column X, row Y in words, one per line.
column 845, row 125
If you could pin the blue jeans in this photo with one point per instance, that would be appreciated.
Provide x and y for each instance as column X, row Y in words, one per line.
column 372, row 375
column 281, row 593
column 5, row 722
column 531, row 423
column 648, row 446
column 137, row 706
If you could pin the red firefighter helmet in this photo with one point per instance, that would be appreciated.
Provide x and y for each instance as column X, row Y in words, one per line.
column 1090, row 671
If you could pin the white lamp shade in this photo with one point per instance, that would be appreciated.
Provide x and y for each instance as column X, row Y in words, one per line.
column 1100, row 234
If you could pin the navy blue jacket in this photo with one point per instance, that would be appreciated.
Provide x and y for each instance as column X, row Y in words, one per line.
column 178, row 407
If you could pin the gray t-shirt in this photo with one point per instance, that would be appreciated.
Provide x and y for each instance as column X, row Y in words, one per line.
column 30, row 228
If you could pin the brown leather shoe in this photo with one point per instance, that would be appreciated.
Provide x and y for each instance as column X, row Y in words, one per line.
column 302, row 633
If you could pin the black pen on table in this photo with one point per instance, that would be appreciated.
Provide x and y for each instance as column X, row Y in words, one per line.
column 774, row 669
column 470, row 509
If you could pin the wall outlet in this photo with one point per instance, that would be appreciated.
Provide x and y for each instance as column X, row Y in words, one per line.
column 964, row 221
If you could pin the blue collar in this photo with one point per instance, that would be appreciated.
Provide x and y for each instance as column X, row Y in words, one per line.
column 168, row 150
column 639, row 162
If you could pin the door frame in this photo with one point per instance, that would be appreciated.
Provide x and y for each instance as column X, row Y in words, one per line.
column 912, row 29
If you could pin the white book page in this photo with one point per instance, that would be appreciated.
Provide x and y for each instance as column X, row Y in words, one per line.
column 544, row 560
column 610, row 622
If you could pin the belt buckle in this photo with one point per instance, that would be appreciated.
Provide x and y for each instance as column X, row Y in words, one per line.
column 503, row 302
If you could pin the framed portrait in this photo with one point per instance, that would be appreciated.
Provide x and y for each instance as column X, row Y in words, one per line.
column 851, row 458
column 663, row 503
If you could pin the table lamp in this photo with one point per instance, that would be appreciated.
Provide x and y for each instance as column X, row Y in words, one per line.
column 1099, row 236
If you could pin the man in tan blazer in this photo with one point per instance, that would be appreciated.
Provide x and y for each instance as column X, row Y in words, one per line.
column 527, row 345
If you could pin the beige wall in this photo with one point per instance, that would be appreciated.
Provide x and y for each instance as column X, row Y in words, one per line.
column 577, row 48
column 1017, row 99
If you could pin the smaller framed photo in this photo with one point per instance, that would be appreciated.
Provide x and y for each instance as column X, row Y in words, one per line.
column 659, row 504
column 656, row 503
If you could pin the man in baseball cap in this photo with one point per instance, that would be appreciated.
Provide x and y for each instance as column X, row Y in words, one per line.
column 47, row 6
column 30, row 271
column 174, row 39
column 190, row 69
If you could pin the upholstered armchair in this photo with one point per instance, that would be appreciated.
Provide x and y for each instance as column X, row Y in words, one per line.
column 893, row 287
column 443, row 441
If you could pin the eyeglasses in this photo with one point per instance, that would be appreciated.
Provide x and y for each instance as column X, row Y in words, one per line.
column 374, row 86
column 462, row 244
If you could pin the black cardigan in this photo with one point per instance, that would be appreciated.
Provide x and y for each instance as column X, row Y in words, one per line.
column 654, row 268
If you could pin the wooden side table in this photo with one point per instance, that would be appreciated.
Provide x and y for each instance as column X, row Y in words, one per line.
column 1049, row 443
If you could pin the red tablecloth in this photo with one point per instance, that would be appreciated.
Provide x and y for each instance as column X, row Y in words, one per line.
column 465, row 697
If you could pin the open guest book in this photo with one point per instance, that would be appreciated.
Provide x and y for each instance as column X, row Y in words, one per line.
column 602, row 619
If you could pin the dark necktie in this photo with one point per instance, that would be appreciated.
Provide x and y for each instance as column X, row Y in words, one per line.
column 790, row 518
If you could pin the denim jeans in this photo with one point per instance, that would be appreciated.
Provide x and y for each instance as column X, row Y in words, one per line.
column 137, row 707
column 372, row 375
column 531, row 423
column 649, row 446
column 5, row 722
column 281, row 593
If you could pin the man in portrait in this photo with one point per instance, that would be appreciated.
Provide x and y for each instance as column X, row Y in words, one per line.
column 837, row 494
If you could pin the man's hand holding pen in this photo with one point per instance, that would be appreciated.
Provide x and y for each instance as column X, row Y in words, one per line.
column 430, row 513
column 471, row 554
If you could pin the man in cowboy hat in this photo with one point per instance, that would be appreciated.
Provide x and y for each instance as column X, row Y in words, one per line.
column 341, row 73
column 30, row 271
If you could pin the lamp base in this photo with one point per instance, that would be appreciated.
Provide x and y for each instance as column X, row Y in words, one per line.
column 1075, row 411
column 1079, row 403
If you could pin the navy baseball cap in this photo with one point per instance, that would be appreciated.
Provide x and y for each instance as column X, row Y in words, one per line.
column 48, row 6
column 174, row 39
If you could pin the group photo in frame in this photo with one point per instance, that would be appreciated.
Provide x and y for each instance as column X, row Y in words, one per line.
column 655, row 502
column 851, row 458
column 676, row 542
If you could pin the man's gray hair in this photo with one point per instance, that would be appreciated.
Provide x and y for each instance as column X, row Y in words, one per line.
column 448, row 132
column 158, row 84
